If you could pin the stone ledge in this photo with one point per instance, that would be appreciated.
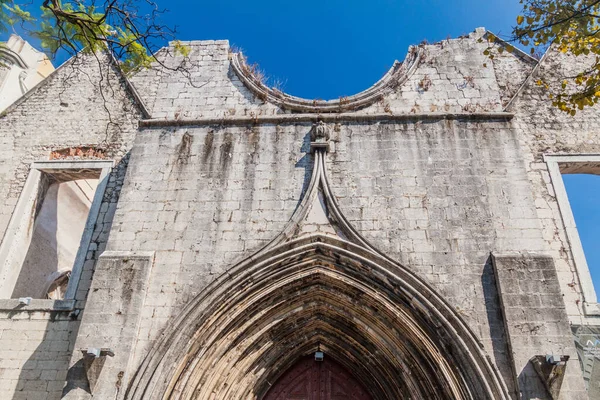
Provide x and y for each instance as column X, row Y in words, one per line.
column 341, row 117
column 591, row 309
column 137, row 255
column 37, row 305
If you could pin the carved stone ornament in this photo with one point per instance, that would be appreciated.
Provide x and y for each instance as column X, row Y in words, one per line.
column 319, row 136
column 93, row 361
column 395, row 77
column 551, row 371
column 331, row 270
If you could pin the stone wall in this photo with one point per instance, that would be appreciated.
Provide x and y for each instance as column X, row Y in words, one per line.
column 202, row 85
column 68, row 110
column 437, row 196
column 451, row 76
column 432, row 172
column 36, row 349
column 543, row 129
column 434, row 193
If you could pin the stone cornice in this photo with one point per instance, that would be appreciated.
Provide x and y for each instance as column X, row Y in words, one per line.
column 13, row 57
column 312, row 117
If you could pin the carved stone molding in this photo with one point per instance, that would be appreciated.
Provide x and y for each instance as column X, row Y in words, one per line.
column 319, row 136
column 318, row 285
column 396, row 76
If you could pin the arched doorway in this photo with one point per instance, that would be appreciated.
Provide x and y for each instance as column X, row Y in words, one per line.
column 309, row 379
column 376, row 318
column 318, row 286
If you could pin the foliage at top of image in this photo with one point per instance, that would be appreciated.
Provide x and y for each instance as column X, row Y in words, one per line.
column 574, row 28
column 130, row 29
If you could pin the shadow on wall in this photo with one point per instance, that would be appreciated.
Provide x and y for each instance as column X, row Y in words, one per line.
column 56, row 236
column 496, row 324
column 42, row 256
column 531, row 385
column 306, row 163
column 45, row 372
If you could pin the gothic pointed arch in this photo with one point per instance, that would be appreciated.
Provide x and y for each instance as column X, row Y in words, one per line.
column 318, row 285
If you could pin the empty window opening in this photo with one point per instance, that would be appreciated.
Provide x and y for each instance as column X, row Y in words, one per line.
column 45, row 247
column 63, row 202
column 581, row 172
column 583, row 191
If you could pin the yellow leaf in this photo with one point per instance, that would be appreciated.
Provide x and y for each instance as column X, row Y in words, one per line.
column 520, row 19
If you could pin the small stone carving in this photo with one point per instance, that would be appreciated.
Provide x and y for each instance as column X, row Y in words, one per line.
column 319, row 137
column 319, row 131
column 93, row 361
column 551, row 371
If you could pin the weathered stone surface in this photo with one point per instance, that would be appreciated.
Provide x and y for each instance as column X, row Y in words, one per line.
column 112, row 322
column 536, row 321
column 435, row 174
column 65, row 111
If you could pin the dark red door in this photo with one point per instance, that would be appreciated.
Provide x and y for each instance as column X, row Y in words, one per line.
column 317, row 380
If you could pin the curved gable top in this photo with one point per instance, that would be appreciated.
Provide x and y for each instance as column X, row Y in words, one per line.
column 12, row 57
column 396, row 76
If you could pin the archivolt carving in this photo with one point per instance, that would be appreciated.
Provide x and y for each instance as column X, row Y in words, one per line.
column 312, row 289
column 376, row 318
column 396, row 76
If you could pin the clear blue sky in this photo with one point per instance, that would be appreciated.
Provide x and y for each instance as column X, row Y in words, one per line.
column 584, row 196
column 331, row 48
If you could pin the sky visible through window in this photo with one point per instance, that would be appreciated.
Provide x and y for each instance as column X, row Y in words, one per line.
column 583, row 191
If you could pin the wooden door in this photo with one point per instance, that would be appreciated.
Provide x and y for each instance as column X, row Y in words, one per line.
column 317, row 380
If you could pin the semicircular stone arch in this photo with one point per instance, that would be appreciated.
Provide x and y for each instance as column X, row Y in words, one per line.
column 397, row 75
column 374, row 316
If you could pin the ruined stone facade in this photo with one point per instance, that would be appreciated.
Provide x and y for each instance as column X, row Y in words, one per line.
column 415, row 232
